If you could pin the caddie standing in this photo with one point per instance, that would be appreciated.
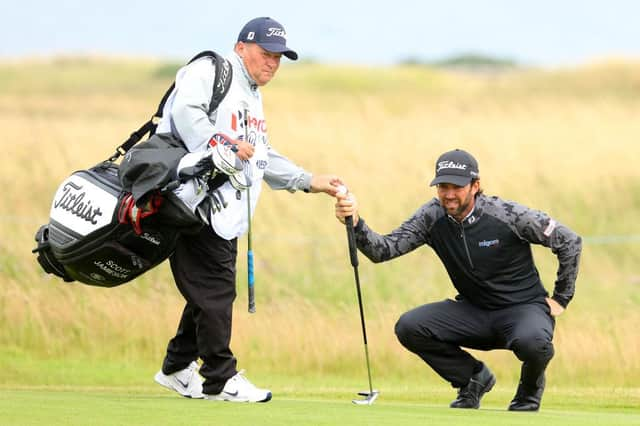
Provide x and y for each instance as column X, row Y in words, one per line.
column 203, row 265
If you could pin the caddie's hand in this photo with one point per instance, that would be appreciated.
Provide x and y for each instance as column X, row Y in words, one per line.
column 244, row 150
column 556, row 308
column 329, row 184
column 347, row 205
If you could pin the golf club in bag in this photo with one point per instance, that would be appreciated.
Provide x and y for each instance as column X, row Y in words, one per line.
column 371, row 395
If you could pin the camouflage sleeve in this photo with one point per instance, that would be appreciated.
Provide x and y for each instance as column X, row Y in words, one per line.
column 413, row 233
column 537, row 227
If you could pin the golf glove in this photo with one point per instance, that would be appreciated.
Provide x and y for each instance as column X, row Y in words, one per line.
column 212, row 203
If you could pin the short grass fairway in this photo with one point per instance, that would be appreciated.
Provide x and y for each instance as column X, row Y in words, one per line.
column 90, row 406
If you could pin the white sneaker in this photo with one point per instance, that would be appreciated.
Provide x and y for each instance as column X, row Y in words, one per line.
column 240, row 389
column 186, row 382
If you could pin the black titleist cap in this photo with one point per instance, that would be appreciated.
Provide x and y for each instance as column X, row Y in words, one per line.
column 457, row 167
column 268, row 34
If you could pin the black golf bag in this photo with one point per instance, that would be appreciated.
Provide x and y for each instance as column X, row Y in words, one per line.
column 92, row 235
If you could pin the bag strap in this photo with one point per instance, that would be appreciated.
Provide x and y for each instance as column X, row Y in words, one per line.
column 221, row 86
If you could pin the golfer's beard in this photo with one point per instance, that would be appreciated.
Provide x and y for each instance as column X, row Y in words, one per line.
column 459, row 211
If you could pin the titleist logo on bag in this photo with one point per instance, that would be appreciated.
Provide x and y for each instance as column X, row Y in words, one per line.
column 73, row 201
column 82, row 206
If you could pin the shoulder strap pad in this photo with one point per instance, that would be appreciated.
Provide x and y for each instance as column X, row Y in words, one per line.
column 222, row 82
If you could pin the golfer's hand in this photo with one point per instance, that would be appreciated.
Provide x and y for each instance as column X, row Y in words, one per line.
column 347, row 205
column 556, row 308
column 244, row 149
column 328, row 184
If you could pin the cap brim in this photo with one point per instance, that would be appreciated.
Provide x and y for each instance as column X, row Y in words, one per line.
column 454, row 179
column 278, row 48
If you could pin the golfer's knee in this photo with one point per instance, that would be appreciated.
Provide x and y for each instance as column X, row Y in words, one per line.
column 533, row 348
column 407, row 332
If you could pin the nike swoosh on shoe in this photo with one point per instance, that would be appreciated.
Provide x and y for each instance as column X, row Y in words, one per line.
column 184, row 385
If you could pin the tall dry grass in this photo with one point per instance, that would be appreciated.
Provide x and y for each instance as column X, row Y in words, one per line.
column 564, row 142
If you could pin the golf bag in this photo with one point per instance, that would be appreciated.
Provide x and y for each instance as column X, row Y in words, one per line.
column 89, row 237
column 92, row 235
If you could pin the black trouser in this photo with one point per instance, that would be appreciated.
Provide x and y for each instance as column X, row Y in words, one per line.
column 204, row 269
column 436, row 331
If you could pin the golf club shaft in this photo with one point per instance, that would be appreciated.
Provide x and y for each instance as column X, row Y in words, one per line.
column 250, row 277
column 353, row 254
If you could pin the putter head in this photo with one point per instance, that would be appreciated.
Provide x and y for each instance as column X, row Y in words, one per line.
column 369, row 397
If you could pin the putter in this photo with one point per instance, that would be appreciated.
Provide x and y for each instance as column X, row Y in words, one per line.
column 372, row 394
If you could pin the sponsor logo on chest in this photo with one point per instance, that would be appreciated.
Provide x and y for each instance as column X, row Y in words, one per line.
column 253, row 123
column 488, row 243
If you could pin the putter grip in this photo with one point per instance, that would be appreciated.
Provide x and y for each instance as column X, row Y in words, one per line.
column 250, row 281
column 351, row 237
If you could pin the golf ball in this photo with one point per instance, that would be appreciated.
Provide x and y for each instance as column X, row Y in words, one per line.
column 341, row 190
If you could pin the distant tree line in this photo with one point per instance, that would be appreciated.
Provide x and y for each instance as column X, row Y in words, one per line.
column 470, row 61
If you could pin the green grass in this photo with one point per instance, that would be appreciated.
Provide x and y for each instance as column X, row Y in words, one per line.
column 146, row 406
column 113, row 392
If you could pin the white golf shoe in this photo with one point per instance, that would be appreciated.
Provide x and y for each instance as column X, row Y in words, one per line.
column 186, row 382
column 239, row 389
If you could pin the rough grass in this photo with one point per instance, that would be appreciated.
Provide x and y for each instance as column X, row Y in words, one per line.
column 563, row 142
